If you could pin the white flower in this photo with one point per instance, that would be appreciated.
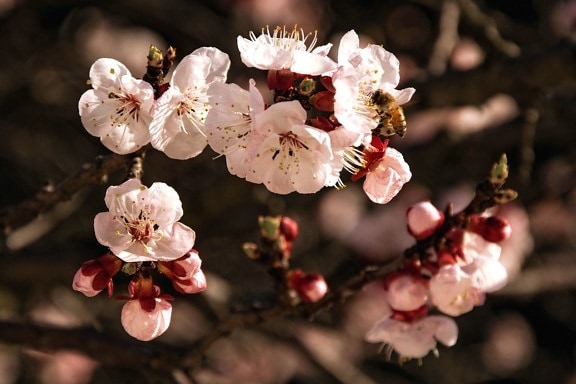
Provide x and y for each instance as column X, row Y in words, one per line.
column 178, row 123
column 229, row 124
column 118, row 108
column 414, row 340
column 291, row 156
column 455, row 290
column 285, row 50
column 141, row 224
column 360, row 73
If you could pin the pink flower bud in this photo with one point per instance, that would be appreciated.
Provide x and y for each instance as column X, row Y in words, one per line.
column 147, row 313
column 423, row 219
column 491, row 228
column 185, row 273
column 310, row 287
column 146, row 324
column 405, row 292
column 95, row 275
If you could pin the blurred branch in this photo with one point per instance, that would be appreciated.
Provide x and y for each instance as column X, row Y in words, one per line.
column 448, row 36
column 93, row 173
column 476, row 17
column 101, row 347
column 519, row 77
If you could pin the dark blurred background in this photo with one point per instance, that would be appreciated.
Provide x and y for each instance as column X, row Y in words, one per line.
column 490, row 76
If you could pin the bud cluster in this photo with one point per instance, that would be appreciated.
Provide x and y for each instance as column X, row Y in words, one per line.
column 277, row 236
column 451, row 275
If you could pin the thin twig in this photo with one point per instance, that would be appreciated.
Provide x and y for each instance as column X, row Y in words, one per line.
column 447, row 38
column 90, row 174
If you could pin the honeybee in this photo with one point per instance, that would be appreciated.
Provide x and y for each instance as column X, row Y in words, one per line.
column 390, row 114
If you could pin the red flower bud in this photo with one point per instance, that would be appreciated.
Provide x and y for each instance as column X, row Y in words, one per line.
column 288, row 228
column 323, row 101
column 326, row 81
column 322, row 123
column 282, row 79
column 310, row 287
column 491, row 228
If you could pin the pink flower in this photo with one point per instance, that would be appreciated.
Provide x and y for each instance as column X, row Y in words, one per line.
column 185, row 273
column 147, row 313
column 141, row 224
column 385, row 170
column 456, row 289
column 423, row 219
column 95, row 275
column 405, row 292
column 118, row 108
column 416, row 339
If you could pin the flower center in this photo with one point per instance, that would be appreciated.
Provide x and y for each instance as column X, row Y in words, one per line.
column 141, row 228
column 288, row 40
column 128, row 108
column 289, row 141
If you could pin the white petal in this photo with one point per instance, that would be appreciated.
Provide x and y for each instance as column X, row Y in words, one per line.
column 446, row 329
column 176, row 128
column 203, row 66
column 384, row 183
column 487, row 274
column 349, row 44
column 164, row 204
column 260, row 54
column 106, row 73
column 176, row 241
column 310, row 63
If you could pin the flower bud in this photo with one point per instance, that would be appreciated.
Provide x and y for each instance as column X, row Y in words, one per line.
column 146, row 324
column 405, row 292
column 323, row 101
column 423, row 219
column 282, row 79
column 310, row 287
column 326, row 81
column 269, row 227
column 185, row 273
column 307, row 86
column 322, row 123
column 95, row 275
column 147, row 313
column 491, row 228
column 288, row 228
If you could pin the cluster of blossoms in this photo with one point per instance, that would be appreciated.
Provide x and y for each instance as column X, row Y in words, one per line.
column 452, row 276
column 142, row 232
column 326, row 116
